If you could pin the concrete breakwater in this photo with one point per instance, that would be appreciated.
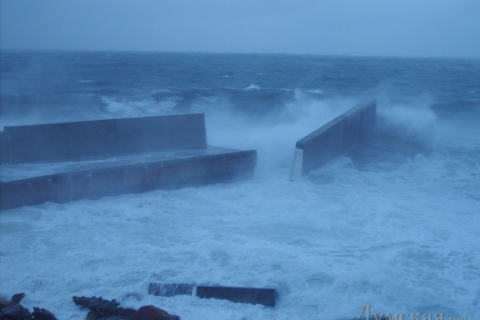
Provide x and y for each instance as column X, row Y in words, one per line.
column 90, row 159
column 349, row 130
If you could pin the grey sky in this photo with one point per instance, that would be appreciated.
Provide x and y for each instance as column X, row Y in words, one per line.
column 351, row 27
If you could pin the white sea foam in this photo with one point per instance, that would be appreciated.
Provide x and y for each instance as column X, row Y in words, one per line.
column 273, row 138
column 413, row 121
column 252, row 87
column 403, row 240
column 147, row 107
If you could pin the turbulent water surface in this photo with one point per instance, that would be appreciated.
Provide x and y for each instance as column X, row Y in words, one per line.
column 396, row 226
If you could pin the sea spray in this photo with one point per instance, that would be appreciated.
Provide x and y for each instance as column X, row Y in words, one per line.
column 399, row 231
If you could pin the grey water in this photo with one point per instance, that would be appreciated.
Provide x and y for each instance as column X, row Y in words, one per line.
column 396, row 226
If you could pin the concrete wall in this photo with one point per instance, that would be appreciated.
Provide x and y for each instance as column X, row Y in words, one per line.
column 265, row 296
column 135, row 178
column 4, row 157
column 350, row 130
column 75, row 140
column 86, row 139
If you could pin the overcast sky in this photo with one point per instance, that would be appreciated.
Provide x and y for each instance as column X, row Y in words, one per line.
column 346, row 27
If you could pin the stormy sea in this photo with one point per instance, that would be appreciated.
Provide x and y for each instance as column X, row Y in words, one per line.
column 395, row 226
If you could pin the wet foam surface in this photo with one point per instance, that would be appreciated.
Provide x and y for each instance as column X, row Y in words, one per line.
column 402, row 236
column 396, row 226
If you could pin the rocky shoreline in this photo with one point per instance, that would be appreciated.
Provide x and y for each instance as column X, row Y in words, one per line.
column 100, row 309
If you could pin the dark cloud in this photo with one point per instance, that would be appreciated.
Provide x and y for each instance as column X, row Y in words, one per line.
column 355, row 27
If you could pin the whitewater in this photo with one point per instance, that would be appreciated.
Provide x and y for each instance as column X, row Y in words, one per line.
column 396, row 226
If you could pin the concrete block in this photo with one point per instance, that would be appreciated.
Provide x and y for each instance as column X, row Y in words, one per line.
column 131, row 178
column 322, row 145
column 85, row 139
column 4, row 151
column 173, row 132
column 265, row 296
column 88, row 139
column 36, row 143
column 189, row 161
column 61, row 141
column 337, row 137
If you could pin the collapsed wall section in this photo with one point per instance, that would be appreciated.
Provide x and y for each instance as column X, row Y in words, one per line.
column 347, row 131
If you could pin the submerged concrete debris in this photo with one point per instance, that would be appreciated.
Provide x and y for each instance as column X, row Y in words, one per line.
column 264, row 296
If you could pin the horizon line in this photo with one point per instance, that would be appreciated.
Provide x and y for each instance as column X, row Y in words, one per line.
column 345, row 55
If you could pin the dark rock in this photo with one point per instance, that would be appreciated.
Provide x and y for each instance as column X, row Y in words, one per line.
column 14, row 311
column 3, row 302
column 42, row 314
column 95, row 303
column 17, row 297
column 153, row 313
column 102, row 309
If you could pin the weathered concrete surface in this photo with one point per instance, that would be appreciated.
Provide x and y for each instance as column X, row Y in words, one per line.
column 349, row 130
column 133, row 178
column 4, row 155
column 85, row 139
column 265, row 296
column 111, row 157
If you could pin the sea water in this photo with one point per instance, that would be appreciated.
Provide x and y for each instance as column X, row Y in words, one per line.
column 395, row 227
